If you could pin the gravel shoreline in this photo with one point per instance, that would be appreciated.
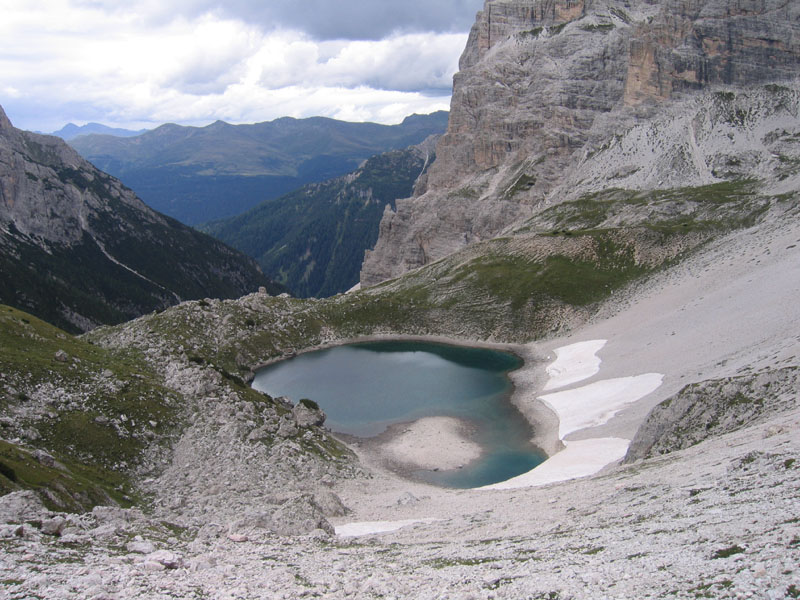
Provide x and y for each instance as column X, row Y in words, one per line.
column 431, row 443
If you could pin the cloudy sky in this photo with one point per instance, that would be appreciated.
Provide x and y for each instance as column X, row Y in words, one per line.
column 140, row 63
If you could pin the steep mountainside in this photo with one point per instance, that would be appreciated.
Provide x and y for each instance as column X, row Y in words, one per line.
column 313, row 240
column 545, row 85
column 199, row 174
column 66, row 395
column 79, row 249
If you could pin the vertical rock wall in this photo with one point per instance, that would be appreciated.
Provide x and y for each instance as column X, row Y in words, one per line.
column 543, row 82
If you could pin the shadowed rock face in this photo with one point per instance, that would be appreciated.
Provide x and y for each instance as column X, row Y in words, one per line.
column 543, row 82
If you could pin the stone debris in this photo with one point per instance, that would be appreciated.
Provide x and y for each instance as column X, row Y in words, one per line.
column 329, row 503
column 170, row 560
column 20, row 507
column 696, row 522
column 140, row 546
column 44, row 458
column 54, row 526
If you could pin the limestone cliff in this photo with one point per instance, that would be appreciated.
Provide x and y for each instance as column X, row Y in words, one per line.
column 545, row 83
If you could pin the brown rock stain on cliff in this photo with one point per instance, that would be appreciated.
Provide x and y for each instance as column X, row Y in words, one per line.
column 8, row 191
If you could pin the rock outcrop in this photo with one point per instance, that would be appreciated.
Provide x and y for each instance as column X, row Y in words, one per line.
column 545, row 83
column 713, row 408
column 22, row 506
column 307, row 413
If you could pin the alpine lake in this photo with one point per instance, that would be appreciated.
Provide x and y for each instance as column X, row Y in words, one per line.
column 366, row 387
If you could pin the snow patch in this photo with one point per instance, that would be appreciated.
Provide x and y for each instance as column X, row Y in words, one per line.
column 596, row 403
column 580, row 408
column 372, row 527
column 574, row 363
column 578, row 459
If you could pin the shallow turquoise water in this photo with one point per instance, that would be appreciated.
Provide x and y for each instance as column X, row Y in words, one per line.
column 363, row 388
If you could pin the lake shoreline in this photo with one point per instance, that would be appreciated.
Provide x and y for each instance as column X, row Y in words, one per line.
column 516, row 349
column 439, row 443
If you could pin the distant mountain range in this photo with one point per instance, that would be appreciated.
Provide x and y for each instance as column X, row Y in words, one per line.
column 313, row 240
column 79, row 249
column 70, row 131
column 199, row 174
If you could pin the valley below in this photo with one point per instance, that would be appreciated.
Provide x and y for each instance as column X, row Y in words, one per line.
column 711, row 511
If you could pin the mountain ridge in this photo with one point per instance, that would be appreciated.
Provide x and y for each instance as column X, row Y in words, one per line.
column 70, row 131
column 199, row 174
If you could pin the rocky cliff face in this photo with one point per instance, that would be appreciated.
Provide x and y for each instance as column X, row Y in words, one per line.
column 34, row 197
column 77, row 248
column 545, row 83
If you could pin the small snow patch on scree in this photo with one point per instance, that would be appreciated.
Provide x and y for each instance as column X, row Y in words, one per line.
column 574, row 363
column 596, row 403
column 372, row 527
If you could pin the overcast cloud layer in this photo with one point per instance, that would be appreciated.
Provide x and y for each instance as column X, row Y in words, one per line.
column 141, row 63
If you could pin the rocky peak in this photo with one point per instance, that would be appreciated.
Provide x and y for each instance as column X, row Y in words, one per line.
column 5, row 124
column 543, row 83
column 501, row 19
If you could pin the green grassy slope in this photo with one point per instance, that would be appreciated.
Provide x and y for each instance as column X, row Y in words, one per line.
column 94, row 411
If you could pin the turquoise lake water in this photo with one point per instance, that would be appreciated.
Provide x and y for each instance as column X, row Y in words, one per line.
column 364, row 388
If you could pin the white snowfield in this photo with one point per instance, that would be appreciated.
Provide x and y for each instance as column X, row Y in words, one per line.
column 574, row 363
column 581, row 408
column 596, row 403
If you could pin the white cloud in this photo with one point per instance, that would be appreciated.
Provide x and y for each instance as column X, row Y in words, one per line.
column 320, row 19
column 412, row 63
column 135, row 64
